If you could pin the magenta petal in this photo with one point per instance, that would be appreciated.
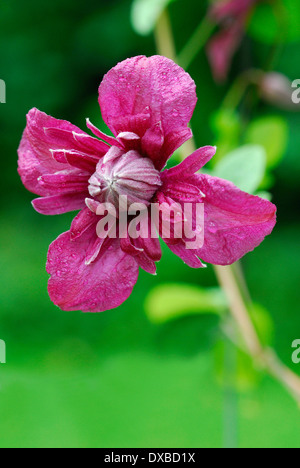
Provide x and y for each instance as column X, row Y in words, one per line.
column 81, row 140
column 235, row 222
column 127, row 136
column 102, row 285
column 60, row 204
column 154, row 85
column 182, row 191
column 146, row 263
column 64, row 182
column 189, row 257
column 45, row 132
column 151, row 246
column 129, row 141
column 83, row 221
column 30, row 167
column 191, row 164
column 222, row 10
column 75, row 159
column 128, row 246
column 146, row 251
column 153, row 141
column 174, row 141
column 92, row 205
column 91, row 144
column 137, row 124
column 222, row 47
column 108, row 139
column 35, row 158
column 94, row 251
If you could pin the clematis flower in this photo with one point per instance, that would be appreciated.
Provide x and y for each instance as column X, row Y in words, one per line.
column 147, row 103
column 231, row 16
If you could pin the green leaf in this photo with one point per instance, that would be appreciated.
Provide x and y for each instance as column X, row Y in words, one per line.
column 145, row 13
column 245, row 167
column 272, row 133
column 276, row 21
column 171, row 301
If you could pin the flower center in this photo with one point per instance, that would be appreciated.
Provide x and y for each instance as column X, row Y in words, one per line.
column 124, row 174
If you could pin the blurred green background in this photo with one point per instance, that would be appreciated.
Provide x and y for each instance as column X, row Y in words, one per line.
column 117, row 379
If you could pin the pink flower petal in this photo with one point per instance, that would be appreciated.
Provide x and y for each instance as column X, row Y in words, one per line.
column 129, row 141
column 30, row 167
column 81, row 140
column 223, row 9
column 153, row 141
column 182, row 191
column 171, row 218
column 108, row 139
column 149, row 244
column 222, row 47
column 83, row 221
column 137, row 124
column 154, row 85
column 189, row 257
column 45, row 132
column 90, row 144
column 174, row 141
column 191, row 164
column 146, row 263
column 102, row 285
column 35, row 158
column 62, row 182
column 235, row 222
column 81, row 161
column 145, row 244
column 94, row 251
column 128, row 246
column 151, row 247
column 59, row 204
column 128, row 136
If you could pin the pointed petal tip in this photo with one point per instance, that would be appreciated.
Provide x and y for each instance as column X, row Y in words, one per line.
column 91, row 204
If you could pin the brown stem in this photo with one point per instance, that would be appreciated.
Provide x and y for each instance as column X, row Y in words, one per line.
column 238, row 309
column 267, row 358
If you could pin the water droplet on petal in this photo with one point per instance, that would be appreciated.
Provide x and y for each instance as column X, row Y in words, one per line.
column 212, row 227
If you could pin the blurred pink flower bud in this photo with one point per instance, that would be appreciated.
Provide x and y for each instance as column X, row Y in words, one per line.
column 222, row 9
column 232, row 17
column 277, row 89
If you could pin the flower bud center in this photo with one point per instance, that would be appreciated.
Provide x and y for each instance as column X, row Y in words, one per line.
column 124, row 174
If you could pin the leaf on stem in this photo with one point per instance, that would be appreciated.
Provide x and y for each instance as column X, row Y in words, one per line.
column 172, row 301
column 245, row 167
column 272, row 133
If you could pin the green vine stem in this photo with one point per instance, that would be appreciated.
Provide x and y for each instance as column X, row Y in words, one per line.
column 262, row 356
column 196, row 43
